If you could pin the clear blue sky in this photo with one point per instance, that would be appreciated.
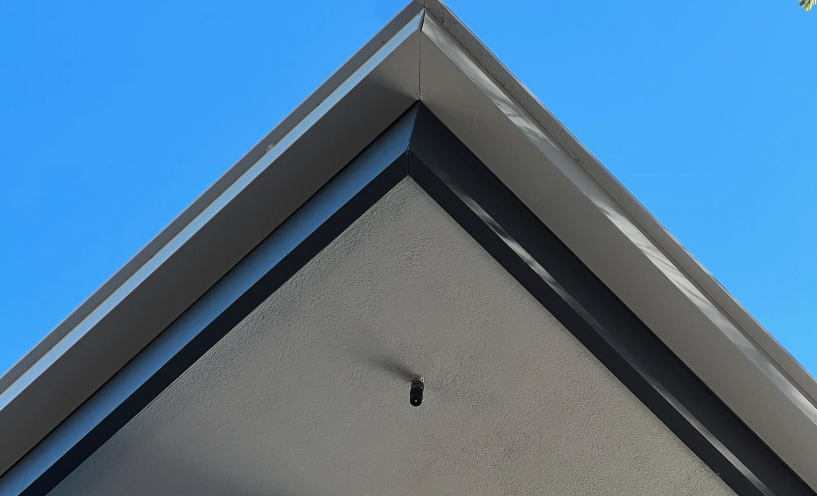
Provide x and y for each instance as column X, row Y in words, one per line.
column 115, row 116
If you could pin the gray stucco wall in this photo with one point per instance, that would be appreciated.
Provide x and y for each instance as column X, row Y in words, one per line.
column 309, row 394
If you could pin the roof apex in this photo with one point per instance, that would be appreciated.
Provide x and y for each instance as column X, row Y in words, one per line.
column 437, row 60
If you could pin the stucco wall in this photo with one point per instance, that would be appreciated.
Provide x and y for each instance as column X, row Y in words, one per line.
column 309, row 394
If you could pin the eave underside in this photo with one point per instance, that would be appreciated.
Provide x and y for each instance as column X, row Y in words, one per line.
column 424, row 54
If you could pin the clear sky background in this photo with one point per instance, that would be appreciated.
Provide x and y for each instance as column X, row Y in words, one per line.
column 114, row 116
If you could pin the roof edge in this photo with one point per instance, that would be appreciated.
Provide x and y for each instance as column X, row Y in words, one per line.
column 774, row 358
column 649, row 224
column 215, row 231
column 740, row 333
column 186, row 217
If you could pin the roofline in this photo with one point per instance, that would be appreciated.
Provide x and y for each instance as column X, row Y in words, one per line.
column 776, row 396
column 655, row 231
column 210, row 196
column 751, row 372
column 420, row 148
column 376, row 72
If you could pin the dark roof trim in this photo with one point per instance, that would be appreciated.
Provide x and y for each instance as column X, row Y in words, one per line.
column 321, row 219
column 528, row 250
column 420, row 147
column 278, row 175
column 425, row 54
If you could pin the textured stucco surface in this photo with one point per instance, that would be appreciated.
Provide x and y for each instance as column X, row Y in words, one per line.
column 309, row 394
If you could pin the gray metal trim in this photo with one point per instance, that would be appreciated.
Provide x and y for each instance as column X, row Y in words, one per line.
column 347, row 196
column 456, row 179
column 211, row 236
column 420, row 146
column 434, row 58
column 567, row 188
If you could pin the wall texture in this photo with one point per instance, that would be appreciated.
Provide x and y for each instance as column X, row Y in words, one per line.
column 309, row 394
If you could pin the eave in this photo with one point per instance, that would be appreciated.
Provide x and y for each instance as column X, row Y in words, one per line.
column 425, row 54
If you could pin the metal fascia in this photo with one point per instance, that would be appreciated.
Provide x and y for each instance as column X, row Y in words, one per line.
column 570, row 191
column 31, row 375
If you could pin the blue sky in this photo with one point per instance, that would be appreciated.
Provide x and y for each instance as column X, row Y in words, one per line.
column 115, row 116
